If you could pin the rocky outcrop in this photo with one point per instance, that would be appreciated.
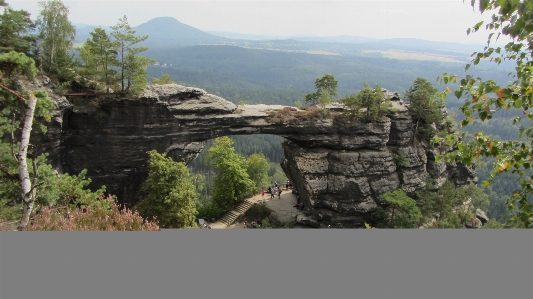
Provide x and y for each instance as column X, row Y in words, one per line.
column 482, row 216
column 340, row 167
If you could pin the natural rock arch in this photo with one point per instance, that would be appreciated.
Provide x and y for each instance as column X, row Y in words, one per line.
column 340, row 167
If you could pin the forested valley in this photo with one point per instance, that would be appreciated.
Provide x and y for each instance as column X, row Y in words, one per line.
column 252, row 73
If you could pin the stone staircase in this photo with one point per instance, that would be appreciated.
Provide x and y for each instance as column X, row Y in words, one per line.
column 230, row 217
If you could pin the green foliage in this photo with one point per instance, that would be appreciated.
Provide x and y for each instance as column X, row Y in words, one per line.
column 170, row 193
column 210, row 210
column 265, row 223
column 401, row 210
column 65, row 190
column 12, row 63
column 424, row 107
column 426, row 200
column 165, row 79
column 257, row 169
column 368, row 104
column 401, row 160
column 104, row 217
column 231, row 182
column 446, row 201
column 326, row 86
column 483, row 99
column 258, row 211
column 479, row 198
column 324, row 99
column 492, row 224
column 63, row 66
column 136, row 72
column 444, row 207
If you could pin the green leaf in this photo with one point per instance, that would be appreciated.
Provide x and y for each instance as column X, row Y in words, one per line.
column 458, row 93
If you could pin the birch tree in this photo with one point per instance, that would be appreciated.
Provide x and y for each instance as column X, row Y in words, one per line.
column 11, row 65
column 56, row 33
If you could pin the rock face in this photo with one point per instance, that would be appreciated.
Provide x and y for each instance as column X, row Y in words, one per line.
column 339, row 167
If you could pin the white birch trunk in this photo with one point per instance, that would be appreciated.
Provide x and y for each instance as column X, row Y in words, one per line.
column 28, row 195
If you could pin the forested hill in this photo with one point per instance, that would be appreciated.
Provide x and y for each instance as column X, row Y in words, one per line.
column 283, row 71
column 244, row 74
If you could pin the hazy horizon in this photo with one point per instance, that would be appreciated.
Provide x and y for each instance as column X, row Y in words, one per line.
column 432, row 20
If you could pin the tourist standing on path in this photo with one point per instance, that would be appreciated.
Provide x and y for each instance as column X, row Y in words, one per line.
column 272, row 193
column 279, row 193
column 263, row 194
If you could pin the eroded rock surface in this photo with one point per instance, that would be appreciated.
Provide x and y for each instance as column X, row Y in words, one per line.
column 339, row 167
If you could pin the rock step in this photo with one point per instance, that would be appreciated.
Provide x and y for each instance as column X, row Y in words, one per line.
column 230, row 217
column 243, row 206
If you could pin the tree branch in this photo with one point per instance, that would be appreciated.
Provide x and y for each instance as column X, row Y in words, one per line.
column 7, row 174
column 13, row 139
column 21, row 99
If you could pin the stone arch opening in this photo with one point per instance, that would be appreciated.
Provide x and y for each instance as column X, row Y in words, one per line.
column 245, row 145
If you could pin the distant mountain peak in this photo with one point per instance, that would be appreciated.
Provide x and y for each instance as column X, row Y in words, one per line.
column 163, row 21
column 168, row 31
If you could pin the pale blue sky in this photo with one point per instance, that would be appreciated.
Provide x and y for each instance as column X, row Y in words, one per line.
column 438, row 20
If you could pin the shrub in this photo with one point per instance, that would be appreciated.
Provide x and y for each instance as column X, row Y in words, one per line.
column 258, row 211
column 492, row 224
column 265, row 223
column 104, row 217
column 210, row 210
column 401, row 160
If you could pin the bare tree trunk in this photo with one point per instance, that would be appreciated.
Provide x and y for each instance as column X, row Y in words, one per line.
column 392, row 214
column 122, row 67
column 28, row 194
column 51, row 58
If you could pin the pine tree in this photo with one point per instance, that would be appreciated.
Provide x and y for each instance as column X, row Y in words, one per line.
column 99, row 54
column 132, row 68
column 424, row 106
column 15, row 28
